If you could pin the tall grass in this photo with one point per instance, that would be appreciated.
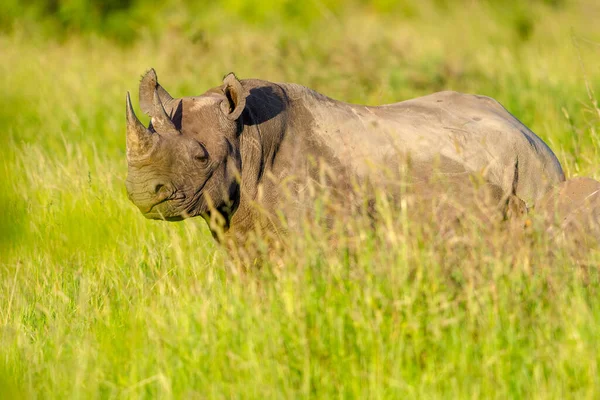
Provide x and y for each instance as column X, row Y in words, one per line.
column 97, row 302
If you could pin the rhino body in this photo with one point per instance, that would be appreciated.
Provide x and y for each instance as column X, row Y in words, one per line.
column 252, row 145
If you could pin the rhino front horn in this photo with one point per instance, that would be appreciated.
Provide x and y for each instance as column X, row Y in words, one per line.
column 139, row 139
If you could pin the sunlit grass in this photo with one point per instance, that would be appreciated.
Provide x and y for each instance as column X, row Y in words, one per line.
column 96, row 301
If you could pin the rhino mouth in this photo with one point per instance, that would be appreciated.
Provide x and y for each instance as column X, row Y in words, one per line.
column 177, row 207
column 165, row 209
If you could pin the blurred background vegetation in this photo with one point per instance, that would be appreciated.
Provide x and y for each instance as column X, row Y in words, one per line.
column 122, row 19
column 125, row 20
column 96, row 301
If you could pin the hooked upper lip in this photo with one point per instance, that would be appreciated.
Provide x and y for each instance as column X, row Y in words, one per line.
column 172, row 196
column 186, row 205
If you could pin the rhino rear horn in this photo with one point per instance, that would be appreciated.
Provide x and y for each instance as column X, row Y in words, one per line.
column 139, row 139
column 161, row 121
column 148, row 85
column 235, row 103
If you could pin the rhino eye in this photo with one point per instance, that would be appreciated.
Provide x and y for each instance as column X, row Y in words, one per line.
column 201, row 153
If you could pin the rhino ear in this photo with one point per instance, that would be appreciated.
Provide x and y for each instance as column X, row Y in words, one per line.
column 236, row 97
column 148, row 85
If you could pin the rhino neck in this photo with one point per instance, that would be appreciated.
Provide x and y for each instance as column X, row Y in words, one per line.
column 277, row 144
column 263, row 127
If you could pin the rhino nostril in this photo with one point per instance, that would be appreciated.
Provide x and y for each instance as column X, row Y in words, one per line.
column 158, row 187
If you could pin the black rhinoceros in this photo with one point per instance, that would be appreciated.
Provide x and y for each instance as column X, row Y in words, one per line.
column 232, row 150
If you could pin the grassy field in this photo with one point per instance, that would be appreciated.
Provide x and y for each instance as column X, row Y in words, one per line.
column 97, row 302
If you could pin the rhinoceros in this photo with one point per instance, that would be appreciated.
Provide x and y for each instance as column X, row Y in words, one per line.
column 232, row 151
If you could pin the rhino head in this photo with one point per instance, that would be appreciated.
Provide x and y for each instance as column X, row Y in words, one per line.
column 187, row 162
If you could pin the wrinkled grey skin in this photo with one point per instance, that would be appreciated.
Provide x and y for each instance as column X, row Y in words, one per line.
column 225, row 154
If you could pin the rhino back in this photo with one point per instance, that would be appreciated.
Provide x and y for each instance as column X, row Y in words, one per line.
column 475, row 131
